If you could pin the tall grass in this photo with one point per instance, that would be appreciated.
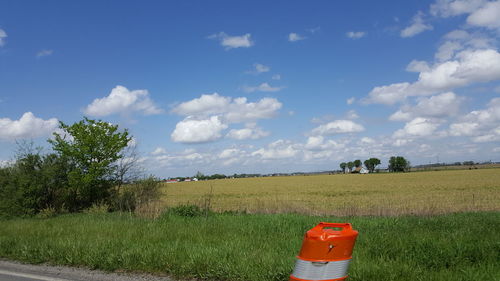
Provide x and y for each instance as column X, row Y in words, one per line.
column 423, row 193
column 258, row 247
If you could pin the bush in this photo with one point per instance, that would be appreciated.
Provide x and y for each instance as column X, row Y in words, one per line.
column 187, row 211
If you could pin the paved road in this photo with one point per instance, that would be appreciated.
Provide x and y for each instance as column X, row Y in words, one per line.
column 13, row 271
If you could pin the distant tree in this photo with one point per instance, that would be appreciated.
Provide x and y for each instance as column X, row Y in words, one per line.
column 468, row 163
column 398, row 164
column 371, row 164
column 350, row 165
column 343, row 165
column 357, row 163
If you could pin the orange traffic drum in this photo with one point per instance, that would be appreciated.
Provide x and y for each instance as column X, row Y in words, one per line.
column 326, row 252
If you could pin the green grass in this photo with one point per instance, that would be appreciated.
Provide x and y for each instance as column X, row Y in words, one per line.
column 258, row 247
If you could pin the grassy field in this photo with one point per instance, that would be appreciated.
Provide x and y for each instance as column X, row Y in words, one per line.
column 258, row 247
column 422, row 193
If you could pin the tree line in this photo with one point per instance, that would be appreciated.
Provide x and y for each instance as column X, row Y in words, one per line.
column 91, row 163
column 396, row 164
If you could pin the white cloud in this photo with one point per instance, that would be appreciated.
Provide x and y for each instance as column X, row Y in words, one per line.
column 243, row 111
column 417, row 26
column 468, row 67
column 351, row 114
column 247, row 133
column 292, row 37
column 417, row 66
column 198, row 131
column 159, row 151
column 3, row 35
column 28, row 126
column 338, row 127
column 483, row 124
column 264, row 87
column 418, row 127
column 206, row 105
column 123, row 101
column 260, row 68
column 446, row 104
column 481, row 13
column 209, row 115
column 355, row 34
column 279, row 149
column 487, row 16
column 237, row 110
column 448, row 8
column 351, row 100
column 232, row 42
column 44, row 53
column 276, row 77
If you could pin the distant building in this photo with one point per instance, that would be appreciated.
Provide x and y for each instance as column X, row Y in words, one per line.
column 360, row 170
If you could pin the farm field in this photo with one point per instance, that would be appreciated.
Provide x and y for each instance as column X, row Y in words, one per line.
column 384, row 194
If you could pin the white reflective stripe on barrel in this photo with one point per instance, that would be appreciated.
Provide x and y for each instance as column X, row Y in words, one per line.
column 309, row 270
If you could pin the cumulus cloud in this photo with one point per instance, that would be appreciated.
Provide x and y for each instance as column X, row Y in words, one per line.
column 123, row 101
column 293, row 37
column 418, row 127
column 350, row 100
column 481, row 13
column 44, row 53
column 264, row 87
column 487, row 16
column 206, row 105
column 279, row 149
column 28, row 126
column 483, row 125
column 417, row 66
column 3, row 35
column 232, row 42
column 448, row 8
column 442, row 105
column 213, row 113
column 467, row 67
column 250, row 132
column 198, row 131
column 355, row 34
column 237, row 110
column 276, row 77
column 417, row 26
column 338, row 127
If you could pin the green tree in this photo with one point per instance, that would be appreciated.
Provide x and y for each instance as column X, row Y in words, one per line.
column 357, row 163
column 93, row 148
column 343, row 165
column 371, row 164
column 398, row 164
column 350, row 165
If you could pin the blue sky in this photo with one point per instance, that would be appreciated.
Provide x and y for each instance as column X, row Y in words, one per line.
column 258, row 86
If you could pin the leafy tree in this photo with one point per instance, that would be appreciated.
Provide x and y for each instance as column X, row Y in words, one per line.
column 357, row 163
column 371, row 164
column 350, row 165
column 343, row 165
column 398, row 164
column 93, row 148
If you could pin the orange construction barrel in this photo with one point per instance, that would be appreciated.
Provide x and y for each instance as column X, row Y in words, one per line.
column 326, row 253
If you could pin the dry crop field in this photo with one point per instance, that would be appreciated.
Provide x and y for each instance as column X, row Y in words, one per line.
column 422, row 193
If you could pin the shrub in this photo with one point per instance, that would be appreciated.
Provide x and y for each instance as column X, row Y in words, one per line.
column 187, row 211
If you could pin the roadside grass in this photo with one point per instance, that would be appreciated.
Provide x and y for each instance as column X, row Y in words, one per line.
column 384, row 194
column 258, row 247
